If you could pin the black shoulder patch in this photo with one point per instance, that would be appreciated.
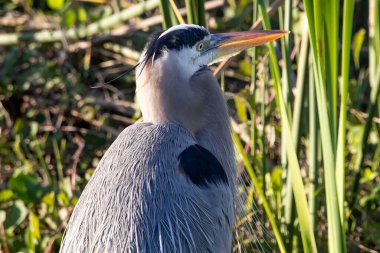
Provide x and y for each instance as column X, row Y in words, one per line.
column 201, row 166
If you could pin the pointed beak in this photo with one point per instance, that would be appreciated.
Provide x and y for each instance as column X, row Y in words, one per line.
column 228, row 44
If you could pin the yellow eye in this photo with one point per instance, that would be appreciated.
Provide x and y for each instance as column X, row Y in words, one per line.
column 201, row 46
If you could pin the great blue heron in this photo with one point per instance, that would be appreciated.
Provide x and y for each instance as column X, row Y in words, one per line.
column 168, row 184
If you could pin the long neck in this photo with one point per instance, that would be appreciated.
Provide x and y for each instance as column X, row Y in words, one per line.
column 197, row 104
column 216, row 137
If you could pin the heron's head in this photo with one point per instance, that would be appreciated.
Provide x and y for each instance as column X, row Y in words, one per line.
column 173, row 78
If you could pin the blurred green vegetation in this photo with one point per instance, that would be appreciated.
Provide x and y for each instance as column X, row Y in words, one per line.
column 64, row 98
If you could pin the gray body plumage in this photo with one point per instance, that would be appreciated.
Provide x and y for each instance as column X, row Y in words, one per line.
column 138, row 201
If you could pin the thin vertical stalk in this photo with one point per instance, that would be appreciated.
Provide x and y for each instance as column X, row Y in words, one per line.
column 165, row 10
column 374, row 38
column 201, row 13
column 313, row 147
column 252, row 89
column 335, row 231
column 259, row 192
column 286, row 70
column 296, row 130
column 222, row 81
column 58, row 159
column 348, row 13
column 173, row 17
column 191, row 11
column 285, row 47
column 307, row 233
column 331, row 27
column 41, row 159
column 263, row 125
column 300, row 84
column 195, row 10
column 176, row 12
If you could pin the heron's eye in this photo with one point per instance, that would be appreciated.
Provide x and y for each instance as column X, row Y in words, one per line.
column 200, row 46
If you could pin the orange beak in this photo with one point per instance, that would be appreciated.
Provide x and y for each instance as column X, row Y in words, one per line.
column 228, row 44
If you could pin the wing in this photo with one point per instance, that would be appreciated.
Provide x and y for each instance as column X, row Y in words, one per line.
column 154, row 190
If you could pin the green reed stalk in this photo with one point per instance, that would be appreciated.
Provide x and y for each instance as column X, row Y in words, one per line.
column 314, row 13
column 165, row 11
column 191, row 8
column 331, row 17
column 307, row 233
column 201, row 13
column 286, row 78
column 263, row 125
column 348, row 13
column 259, row 192
column 313, row 147
column 253, row 88
column 176, row 12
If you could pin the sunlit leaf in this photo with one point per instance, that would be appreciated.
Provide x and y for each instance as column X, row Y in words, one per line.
column 48, row 199
column 34, row 225
column 276, row 179
column 82, row 15
column 55, row 4
column 18, row 125
column 65, row 185
column 88, row 112
column 5, row 195
column 26, row 187
column 15, row 215
column 29, row 240
column 245, row 68
column 357, row 45
column 70, row 18
column 62, row 199
column 240, row 108
column 33, row 128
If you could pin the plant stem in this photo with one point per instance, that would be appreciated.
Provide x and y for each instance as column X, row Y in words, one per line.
column 335, row 232
column 201, row 13
column 331, row 16
column 313, row 147
column 176, row 12
column 286, row 78
column 191, row 17
column 252, row 89
column 341, row 149
column 165, row 11
column 259, row 192
column 307, row 233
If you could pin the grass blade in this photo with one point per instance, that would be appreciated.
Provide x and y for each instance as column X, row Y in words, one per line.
column 341, row 149
column 191, row 9
column 176, row 12
column 335, row 231
column 259, row 191
column 331, row 17
column 313, row 147
column 307, row 233
column 201, row 13
column 165, row 10
column 288, row 193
